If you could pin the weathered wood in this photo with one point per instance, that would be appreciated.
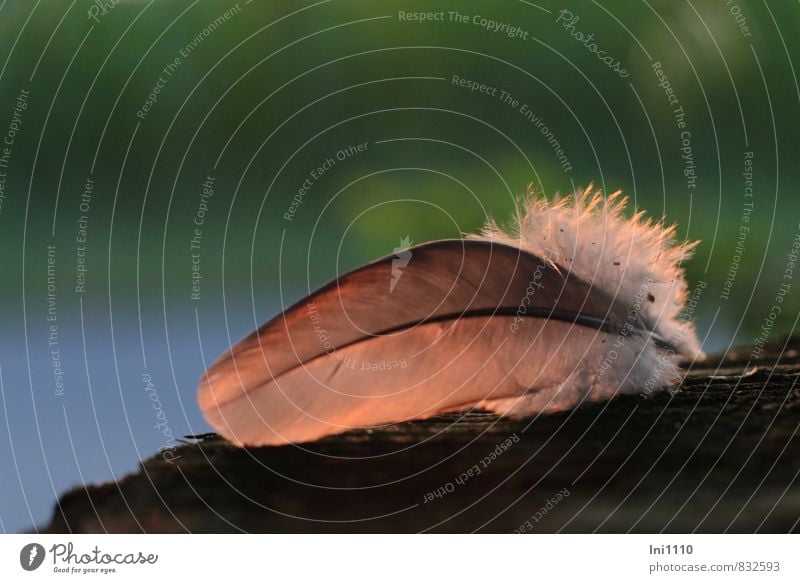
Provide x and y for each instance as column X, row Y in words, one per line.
column 721, row 454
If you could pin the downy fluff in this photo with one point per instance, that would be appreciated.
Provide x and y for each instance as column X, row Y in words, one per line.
column 636, row 260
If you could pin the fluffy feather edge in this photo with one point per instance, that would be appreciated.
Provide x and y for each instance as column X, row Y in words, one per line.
column 636, row 260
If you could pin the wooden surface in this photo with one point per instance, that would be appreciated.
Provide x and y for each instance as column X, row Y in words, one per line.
column 720, row 454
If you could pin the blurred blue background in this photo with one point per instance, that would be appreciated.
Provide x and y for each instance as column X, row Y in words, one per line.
column 152, row 152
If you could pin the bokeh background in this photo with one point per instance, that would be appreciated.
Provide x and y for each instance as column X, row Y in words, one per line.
column 108, row 307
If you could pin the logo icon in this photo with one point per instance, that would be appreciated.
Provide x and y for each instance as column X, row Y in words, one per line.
column 31, row 556
column 402, row 255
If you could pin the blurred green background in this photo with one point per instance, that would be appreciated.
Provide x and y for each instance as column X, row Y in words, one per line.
column 279, row 87
column 263, row 93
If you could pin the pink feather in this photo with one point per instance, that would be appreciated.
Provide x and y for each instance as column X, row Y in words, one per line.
column 577, row 303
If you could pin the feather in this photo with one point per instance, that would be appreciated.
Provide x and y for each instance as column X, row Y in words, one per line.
column 575, row 302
